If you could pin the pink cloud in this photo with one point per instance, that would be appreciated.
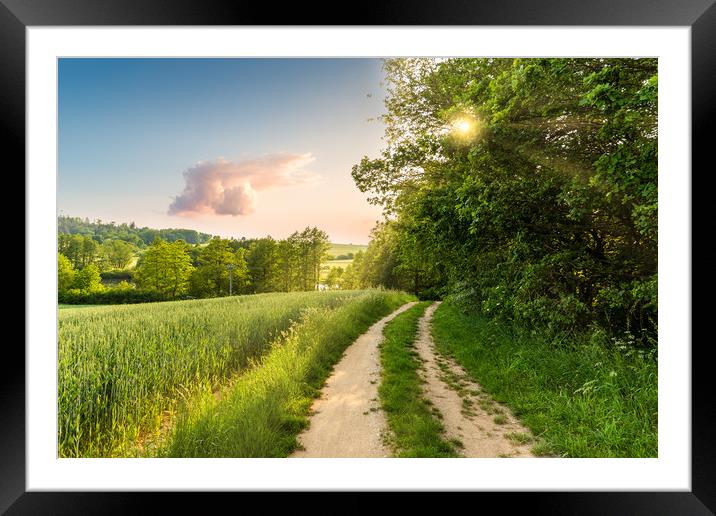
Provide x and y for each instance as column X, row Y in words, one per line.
column 226, row 188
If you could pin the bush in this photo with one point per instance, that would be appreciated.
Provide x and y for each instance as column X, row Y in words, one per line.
column 430, row 294
column 348, row 256
column 122, row 294
column 88, row 279
column 117, row 275
column 65, row 272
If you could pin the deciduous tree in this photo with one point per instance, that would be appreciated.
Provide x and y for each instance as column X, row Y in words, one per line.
column 165, row 268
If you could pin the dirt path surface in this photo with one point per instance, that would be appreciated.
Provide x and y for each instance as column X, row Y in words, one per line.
column 484, row 427
column 347, row 420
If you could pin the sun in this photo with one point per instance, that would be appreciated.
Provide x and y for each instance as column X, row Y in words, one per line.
column 466, row 128
column 463, row 126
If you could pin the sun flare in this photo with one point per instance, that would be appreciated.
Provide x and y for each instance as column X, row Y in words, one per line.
column 463, row 126
column 466, row 128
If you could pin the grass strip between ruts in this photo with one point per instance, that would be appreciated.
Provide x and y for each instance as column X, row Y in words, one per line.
column 415, row 430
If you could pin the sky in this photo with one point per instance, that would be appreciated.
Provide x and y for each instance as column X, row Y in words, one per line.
column 232, row 147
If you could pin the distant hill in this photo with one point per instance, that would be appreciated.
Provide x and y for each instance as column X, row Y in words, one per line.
column 100, row 231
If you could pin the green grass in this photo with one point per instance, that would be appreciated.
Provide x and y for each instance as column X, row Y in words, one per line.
column 123, row 370
column 416, row 431
column 519, row 437
column 262, row 411
column 580, row 400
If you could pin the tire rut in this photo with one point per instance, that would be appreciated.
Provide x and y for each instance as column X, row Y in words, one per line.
column 483, row 427
column 346, row 419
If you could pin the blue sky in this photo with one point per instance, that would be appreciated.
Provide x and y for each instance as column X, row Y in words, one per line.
column 277, row 138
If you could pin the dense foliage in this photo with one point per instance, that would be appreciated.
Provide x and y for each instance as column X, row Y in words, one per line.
column 165, row 268
column 287, row 265
column 521, row 188
column 121, row 294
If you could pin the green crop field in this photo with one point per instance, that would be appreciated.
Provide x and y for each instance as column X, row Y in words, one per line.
column 337, row 263
column 343, row 249
column 124, row 370
column 340, row 250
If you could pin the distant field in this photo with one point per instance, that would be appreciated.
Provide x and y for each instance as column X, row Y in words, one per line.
column 339, row 263
column 339, row 249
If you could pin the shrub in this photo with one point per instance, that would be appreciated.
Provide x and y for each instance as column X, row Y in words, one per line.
column 124, row 294
column 88, row 279
column 117, row 275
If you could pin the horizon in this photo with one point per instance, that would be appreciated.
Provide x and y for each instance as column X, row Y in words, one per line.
column 116, row 223
column 237, row 147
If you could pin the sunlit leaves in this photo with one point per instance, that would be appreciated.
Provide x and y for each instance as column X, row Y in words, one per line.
column 555, row 202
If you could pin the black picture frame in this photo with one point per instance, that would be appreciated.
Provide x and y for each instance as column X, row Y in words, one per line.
column 700, row 15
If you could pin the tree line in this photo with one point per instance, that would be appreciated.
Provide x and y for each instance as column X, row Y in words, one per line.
column 100, row 231
column 179, row 270
column 525, row 189
column 84, row 250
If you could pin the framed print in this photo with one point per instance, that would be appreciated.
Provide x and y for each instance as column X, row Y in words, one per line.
column 422, row 252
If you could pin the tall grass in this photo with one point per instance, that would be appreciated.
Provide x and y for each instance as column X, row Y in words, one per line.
column 122, row 369
column 415, row 431
column 262, row 411
column 584, row 399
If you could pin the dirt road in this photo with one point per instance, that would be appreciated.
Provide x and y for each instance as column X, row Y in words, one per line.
column 484, row 427
column 347, row 420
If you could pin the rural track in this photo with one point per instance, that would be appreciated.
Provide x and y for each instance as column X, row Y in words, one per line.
column 467, row 413
column 346, row 419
